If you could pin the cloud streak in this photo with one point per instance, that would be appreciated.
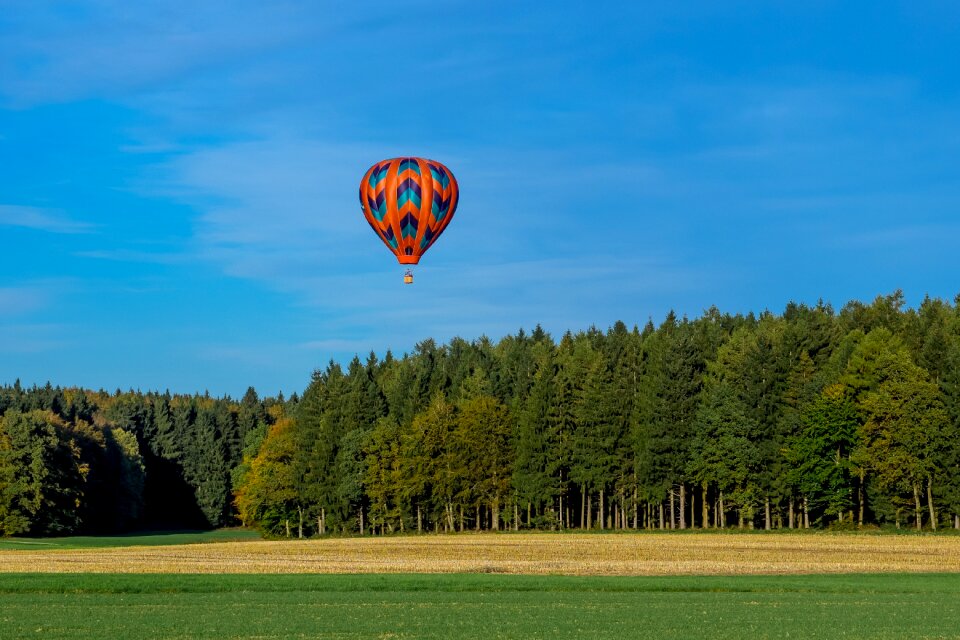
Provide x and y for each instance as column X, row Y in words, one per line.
column 41, row 220
column 29, row 339
column 16, row 301
column 111, row 48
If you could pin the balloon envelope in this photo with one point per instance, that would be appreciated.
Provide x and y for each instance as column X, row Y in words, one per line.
column 409, row 202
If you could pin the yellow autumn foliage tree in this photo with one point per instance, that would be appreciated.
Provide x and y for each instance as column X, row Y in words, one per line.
column 267, row 495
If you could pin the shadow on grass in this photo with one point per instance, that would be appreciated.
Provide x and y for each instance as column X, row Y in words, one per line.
column 132, row 539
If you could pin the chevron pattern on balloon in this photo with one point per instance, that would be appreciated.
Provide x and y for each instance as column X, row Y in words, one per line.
column 408, row 191
column 408, row 226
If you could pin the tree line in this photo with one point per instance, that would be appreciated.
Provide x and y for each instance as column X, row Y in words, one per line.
column 77, row 461
column 809, row 418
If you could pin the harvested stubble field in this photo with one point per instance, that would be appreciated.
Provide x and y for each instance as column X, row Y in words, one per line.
column 643, row 554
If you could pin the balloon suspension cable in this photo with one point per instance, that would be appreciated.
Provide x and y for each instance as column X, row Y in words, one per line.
column 408, row 277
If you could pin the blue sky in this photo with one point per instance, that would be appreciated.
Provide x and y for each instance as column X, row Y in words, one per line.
column 178, row 180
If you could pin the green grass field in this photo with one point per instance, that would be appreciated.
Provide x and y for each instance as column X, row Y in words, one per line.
column 477, row 606
column 132, row 540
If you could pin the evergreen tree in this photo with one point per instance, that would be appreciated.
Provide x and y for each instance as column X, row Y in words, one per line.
column 41, row 479
column 724, row 453
column 536, row 481
column 820, row 454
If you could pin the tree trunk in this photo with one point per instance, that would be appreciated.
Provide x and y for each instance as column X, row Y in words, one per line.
column 673, row 515
column 933, row 512
column 693, row 508
column 706, row 508
column 791, row 512
column 766, row 523
column 860, row 492
column 286, row 524
column 419, row 520
column 663, row 524
column 589, row 511
column 583, row 507
column 361, row 520
column 603, row 515
column 636, row 511
column 683, row 505
column 806, row 513
column 299, row 522
column 916, row 502
column 722, row 513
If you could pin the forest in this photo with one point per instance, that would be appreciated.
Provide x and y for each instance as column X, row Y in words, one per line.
column 810, row 418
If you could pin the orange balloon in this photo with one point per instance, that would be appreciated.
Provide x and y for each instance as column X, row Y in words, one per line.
column 409, row 202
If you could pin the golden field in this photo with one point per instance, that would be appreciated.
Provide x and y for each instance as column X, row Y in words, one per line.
column 569, row 554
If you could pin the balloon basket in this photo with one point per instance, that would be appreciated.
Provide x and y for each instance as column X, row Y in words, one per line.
column 408, row 277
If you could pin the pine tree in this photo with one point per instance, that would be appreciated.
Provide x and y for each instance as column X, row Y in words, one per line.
column 41, row 480
column 820, row 454
column 207, row 470
column 536, row 460
column 724, row 453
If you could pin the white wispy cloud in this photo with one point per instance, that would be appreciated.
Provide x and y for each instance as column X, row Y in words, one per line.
column 29, row 339
column 133, row 255
column 109, row 48
column 22, row 300
column 336, row 345
column 41, row 219
column 916, row 237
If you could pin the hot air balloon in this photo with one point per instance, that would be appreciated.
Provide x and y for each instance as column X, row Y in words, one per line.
column 408, row 202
